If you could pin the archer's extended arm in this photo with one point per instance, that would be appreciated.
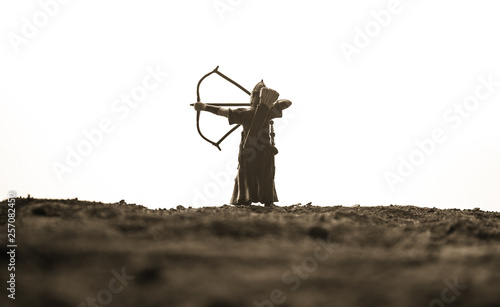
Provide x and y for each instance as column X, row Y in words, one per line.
column 200, row 106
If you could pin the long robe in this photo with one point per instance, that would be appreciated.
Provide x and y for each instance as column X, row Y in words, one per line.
column 255, row 179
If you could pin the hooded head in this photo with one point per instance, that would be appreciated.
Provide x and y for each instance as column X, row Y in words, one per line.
column 255, row 97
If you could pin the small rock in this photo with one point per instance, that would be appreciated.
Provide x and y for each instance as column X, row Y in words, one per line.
column 40, row 211
column 148, row 275
column 356, row 206
column 180, row 207
column 318, row 232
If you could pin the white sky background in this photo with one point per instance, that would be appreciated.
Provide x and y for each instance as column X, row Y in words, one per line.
column 347, row 126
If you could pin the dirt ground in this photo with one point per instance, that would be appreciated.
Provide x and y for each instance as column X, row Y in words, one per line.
column 78, row 253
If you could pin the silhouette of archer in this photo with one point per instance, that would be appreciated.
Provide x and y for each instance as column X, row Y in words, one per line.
column 254, row 182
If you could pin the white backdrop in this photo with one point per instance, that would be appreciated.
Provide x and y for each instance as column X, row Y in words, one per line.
column 394, row 102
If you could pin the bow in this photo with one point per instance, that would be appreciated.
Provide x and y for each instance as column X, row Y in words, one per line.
column 216, row 144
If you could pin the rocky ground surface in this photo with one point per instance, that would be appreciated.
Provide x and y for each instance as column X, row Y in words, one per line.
column 79, row 253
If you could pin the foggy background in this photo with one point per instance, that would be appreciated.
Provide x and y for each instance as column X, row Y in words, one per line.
column 410, row 66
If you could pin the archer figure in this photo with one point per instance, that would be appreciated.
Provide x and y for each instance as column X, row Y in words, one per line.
column 254, row 182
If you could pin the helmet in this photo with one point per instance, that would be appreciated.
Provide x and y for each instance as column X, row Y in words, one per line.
column 256, row 92
column 258, row 86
